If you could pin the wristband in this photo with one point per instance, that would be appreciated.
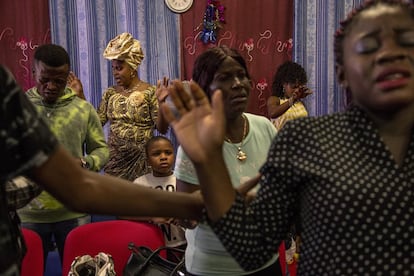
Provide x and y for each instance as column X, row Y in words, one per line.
column 84, row 164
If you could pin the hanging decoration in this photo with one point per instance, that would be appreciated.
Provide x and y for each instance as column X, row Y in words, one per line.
column 262, row 86
column 213, row 17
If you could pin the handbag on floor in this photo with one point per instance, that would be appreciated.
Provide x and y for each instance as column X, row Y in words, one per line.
column 145, row 262
column 86, row 265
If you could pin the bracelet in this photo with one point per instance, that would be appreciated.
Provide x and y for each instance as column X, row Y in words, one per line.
column 291, row 101
column 85, row 164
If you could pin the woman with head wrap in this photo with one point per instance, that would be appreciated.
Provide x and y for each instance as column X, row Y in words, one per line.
column 131, row 108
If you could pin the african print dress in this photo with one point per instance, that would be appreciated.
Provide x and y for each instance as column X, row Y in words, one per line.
column 132, row 122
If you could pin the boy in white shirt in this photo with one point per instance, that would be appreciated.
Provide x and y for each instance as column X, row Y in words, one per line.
column 160, row 157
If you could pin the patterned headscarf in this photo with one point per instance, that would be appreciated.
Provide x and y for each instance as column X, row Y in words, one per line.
column 125, row 47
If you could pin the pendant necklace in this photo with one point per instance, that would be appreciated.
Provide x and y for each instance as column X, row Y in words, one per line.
column 241, row 155
column 49, row 111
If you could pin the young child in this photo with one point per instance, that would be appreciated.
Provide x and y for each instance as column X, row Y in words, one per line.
column 160, row 157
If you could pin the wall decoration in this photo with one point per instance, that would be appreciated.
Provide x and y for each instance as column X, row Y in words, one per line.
column 213, row 17
column 179, row 6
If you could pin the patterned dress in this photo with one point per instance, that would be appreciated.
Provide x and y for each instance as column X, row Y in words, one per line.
column 297, row 110
column 132, row 122
column 337, row 178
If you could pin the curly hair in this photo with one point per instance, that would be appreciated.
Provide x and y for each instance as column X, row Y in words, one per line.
column 288, row 72
column 345, row 25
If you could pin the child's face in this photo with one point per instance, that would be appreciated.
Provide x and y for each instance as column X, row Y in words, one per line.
column 161, row 157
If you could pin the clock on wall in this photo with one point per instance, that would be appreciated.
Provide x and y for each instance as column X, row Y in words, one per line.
column 179, row 6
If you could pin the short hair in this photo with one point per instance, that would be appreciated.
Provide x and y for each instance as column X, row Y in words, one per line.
column 208, row 62
column 52, row 55
column 288, row 72
column 154, row 139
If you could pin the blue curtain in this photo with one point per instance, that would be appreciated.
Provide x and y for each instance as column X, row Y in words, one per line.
column 84, row 28
column 315, row 25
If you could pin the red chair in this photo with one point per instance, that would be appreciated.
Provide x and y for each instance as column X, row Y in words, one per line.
column 282, row 259
column 32, row 264
column 111, row 237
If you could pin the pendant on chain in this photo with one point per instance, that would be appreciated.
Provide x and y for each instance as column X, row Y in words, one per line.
column 241, row 155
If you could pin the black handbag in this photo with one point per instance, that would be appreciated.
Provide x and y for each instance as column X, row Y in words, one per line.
column 145, row 262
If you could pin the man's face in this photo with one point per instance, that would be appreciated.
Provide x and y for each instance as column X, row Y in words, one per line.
column 50, row 81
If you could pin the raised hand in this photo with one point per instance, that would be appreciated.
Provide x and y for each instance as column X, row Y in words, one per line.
column 75, row 84
column 198, row 125
column 162, row 91
column 301, row 92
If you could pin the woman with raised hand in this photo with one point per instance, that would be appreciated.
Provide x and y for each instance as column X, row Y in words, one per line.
column 131, row 108
column 349, row 186
column 245, row 145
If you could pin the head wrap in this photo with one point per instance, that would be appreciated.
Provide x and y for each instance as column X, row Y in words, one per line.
column 125, row 47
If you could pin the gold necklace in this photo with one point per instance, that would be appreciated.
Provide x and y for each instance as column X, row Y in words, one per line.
column 241, row 155
column 130, row 90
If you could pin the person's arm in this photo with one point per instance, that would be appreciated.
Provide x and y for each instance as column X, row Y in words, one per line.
column 76, row 85
column 275, row 109
column 90, row 192
column 157, row 220
column 200, row 130
column 186, row 187
column 103, row 105
column 161, row 93
column 20, row 191
column 96, row 147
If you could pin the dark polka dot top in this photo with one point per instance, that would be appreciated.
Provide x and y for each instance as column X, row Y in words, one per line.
column 337, row 181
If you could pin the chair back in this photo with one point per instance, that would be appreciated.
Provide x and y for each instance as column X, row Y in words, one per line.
column 111, row 237
column 33, row 263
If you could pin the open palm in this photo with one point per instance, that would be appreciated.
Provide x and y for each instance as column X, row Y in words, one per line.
column 198, row 126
